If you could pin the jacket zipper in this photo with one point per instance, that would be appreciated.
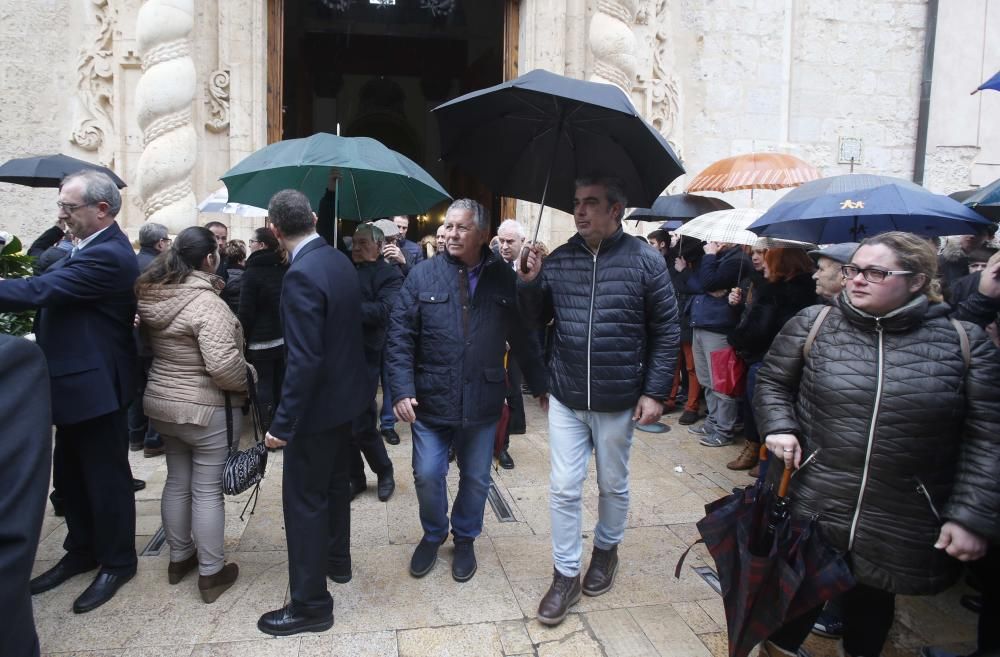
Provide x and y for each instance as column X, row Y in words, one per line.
column 590, row 320
column 871, row 436
column 923, row 489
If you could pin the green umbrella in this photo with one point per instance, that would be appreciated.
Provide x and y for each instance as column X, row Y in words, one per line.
column 375, row 181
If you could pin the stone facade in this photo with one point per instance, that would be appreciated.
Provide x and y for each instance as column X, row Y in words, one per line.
column 717, row 78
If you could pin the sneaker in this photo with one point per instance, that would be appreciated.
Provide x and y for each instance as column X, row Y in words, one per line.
column 600, row 575
column 563, row 594
column 424, row 557
column 715, row 440
column 463, row 565
column 747, row 458
column 699, row 431
column 829, row 624
column 688, row 417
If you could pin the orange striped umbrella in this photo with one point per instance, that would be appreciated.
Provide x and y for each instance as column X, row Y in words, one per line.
column 754, row 171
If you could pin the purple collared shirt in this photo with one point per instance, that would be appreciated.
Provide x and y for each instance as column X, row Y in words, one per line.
column 473, row 273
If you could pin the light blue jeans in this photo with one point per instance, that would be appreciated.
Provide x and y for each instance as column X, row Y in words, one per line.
column 572, row 436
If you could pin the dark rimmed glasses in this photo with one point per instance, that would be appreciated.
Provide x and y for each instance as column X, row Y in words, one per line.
column 872, row 274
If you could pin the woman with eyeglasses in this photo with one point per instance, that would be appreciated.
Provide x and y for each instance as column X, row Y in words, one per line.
column 260, row 296
column 892, row 418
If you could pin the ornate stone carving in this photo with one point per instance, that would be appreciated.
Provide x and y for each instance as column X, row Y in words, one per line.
column 95, row 88
column 661, row 89
column 613, row 43
column 218, row 101
column 163, row 98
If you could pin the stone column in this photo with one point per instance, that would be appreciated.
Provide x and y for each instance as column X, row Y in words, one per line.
column 613, row 43
column 163, row 98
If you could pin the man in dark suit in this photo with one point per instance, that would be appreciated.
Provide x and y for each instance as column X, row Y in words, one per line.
column 25, row 455
column 84, row 327
column 324, row 389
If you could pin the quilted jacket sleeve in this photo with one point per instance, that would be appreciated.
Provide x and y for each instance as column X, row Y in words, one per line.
column 975, row 498
column 534, row 300
column 779, row 378
column 404, row 326
column 220, row 340
column 663, row 331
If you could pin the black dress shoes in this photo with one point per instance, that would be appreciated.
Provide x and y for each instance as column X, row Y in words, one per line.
column 339, row 573
column 138, row 485
column 288, row 621
column 390, row 436
column 386, row 486
column 56, row 575
column 358, row 487
column 102, row 589
column 505, row 461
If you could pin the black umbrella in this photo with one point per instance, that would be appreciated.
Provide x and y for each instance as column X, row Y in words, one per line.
column 679, row 206
column 984, row 200
column 531, row 137
column 49, row 170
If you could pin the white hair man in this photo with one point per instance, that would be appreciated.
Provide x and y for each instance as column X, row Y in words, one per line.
column 511, row 237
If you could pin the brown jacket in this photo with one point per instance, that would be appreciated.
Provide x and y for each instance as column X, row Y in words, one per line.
column 197, row 350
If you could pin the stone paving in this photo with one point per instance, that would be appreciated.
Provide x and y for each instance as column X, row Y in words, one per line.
column 384, row 612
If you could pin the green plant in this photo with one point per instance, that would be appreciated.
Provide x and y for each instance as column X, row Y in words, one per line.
column 14, row 264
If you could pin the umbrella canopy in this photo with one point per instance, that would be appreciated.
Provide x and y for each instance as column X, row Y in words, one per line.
column 531, row 137
column 984, row 200
column 772, row 568
column 776, row 243
column 728, row 226
column 679, row 206
column 993, row 83
column 49, row 170
column 754, row 171
column 218, row 201
column 849, row 207
column 375, row 181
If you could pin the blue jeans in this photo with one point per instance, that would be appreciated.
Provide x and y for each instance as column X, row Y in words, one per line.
column 474, row 452
column 387, row 418
column 572, row 436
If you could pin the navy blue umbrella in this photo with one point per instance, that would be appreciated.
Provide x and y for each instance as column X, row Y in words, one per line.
column 992, row 83
column 679, row 206
column 854, row 206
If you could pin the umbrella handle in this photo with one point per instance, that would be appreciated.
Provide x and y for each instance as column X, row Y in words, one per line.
column 524, row 259
column 786, row 477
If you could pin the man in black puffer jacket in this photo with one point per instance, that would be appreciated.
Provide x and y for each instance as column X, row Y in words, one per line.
column 448, row 330
column 616, row 340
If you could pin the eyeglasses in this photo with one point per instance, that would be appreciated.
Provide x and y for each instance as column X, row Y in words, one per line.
column 71, row 207
column 166, row 239
column 253, row 241
column 871, row 274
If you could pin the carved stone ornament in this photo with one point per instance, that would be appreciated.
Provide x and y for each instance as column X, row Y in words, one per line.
column 663, row 89
column 218, row 101
column 613, row 43
column 95, row 88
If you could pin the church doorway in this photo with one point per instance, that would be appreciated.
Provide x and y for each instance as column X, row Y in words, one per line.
column 377, row 68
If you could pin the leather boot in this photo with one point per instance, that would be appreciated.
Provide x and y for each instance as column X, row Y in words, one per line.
column 178, row 569
column 212, row 586
column 563, row 594
column 600, row 575
column 747, row 458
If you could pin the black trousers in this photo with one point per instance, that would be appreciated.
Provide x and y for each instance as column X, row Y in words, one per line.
column 365, row 439
column 90, row 470
column 868, row 614
column 987, row 571
column 317, row 507
column 270, row 366
column 515, row 400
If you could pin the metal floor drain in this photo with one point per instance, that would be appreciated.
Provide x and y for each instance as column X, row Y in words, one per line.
column 501, row 509
column 710, row 577
column 155, row 544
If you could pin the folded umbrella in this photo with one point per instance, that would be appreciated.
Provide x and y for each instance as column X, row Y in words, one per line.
column 49, row 170
column 850, row 207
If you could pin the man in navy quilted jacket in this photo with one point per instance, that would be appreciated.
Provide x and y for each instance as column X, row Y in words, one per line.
column 616, row 339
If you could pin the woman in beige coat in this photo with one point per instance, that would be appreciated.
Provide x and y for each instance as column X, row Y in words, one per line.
column 198, row 358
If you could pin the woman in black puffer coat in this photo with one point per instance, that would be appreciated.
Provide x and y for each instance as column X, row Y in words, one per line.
column 260, row 297
column 903, row 435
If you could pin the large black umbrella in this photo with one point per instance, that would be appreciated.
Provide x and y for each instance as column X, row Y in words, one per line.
column 680, row 207
column 48, row 170
column 984, row 200
column 531, row 137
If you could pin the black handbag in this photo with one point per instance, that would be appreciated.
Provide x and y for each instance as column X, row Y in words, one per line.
column 244, row 469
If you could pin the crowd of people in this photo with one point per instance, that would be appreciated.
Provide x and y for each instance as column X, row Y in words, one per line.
column 871, row 368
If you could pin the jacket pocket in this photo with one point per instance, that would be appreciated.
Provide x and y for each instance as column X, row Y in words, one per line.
column 433, row 297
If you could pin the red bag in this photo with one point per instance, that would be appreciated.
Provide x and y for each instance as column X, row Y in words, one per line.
column 729, row 372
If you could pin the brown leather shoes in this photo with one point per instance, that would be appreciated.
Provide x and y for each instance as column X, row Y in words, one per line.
column 178, row 569
column 601, row 574
column 747, row 458
column 563, row 594
column 212, row 586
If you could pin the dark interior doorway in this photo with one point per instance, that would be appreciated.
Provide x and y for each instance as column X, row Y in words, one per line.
column 378, row 68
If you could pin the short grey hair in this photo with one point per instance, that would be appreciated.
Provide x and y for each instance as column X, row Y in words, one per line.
column 480, row 213
column 151, row 233
column 614, row 188
column 97, row 188
column 512, row 223
column 373, row 231
column 290, row 212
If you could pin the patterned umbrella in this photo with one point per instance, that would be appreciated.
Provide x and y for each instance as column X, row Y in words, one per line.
column 754, row 171
column 729, row 226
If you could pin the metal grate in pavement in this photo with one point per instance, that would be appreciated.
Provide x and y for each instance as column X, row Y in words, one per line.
column 155, row 544
column 501, row 509
column 710, row 577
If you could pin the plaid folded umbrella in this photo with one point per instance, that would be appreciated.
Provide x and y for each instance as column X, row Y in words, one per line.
column 762, row 593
